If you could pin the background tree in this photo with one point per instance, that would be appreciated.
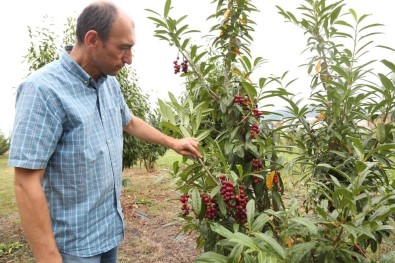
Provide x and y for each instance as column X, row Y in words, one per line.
column 4, row 144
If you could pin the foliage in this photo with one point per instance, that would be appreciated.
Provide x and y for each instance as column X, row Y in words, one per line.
column 223, row 109
column 44, row 49
column 232, row 197
column 4, row 144
column 349, row 161
column 43, row 46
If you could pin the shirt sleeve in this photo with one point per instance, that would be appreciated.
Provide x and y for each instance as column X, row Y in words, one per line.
column 37, row 127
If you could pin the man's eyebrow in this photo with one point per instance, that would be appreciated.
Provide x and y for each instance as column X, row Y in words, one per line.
column 127, row 45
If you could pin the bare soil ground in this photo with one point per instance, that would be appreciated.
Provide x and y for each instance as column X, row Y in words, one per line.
column 152, row 225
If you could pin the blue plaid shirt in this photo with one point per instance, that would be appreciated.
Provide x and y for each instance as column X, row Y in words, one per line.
column 71, row 126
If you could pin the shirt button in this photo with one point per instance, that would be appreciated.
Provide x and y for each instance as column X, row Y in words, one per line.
column 114, row 164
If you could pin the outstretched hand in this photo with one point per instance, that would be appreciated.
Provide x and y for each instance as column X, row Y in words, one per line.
column 187, row 147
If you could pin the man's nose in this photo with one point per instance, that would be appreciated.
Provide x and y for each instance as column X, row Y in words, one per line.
column 127, row 57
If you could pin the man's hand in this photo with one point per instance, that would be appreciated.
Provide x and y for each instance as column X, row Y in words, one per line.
column 187, row 147
column 143, row 131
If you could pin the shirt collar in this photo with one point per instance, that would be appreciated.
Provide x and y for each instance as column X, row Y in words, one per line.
column 69, row 63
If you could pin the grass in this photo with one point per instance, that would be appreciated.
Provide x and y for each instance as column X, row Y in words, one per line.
column 166, row 161
column 7, row 199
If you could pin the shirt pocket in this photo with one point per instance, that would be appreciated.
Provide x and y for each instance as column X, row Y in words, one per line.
column 113, row 121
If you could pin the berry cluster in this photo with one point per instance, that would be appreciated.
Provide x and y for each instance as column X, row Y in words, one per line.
column 257, row 167
column 211, row 207
column 257, row 113
column 234, row 200
column 276, row 178
column 256, row 163
column 185, row 207
column 254, row 131
column 244, row 101
column 257, row 180
column 241, row 204
column 238, row 99
column 178, row 67
column 184, row 65
column 227, row 192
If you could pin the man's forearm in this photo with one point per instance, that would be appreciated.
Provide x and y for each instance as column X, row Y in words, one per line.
column 143, row 131
column 33, row 210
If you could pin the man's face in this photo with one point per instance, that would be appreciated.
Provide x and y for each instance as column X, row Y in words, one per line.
column 116, row 51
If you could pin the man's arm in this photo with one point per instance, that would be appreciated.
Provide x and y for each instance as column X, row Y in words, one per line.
column 143, row 131
column 33, row 210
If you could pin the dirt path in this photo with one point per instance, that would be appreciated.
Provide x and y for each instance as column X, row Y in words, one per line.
column 150, row 240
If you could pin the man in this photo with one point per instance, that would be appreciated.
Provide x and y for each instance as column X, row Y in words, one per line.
column 67, row 143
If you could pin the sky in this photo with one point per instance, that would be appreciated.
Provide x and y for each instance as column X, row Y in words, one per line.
column 278, row 42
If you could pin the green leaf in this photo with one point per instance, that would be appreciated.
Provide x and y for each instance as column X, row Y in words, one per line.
column 389, row 64
column 246, row 64
column 179, row 31
column 207, row 69
column 166, row 112
column 197, row 58
column 307, row 223
column 382, row 213
column 262, row 82
column 211, row 257
column 386, row 82
column 259, row 222
column 274, row 246
column 244, row 240
column 158, row 21
column 341, row 72
column 217, row 228
column 185, row 132
column 250, row 90
column 203, row 135
column 301, row 252
column 356, row 232
column 185, row 43
column 167, row 8
column 384, row 147
column 354, row 14
column 358, row 147
column 196, row 201
column 250, row 212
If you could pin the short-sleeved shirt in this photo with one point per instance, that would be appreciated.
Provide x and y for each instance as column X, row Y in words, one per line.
column 72, row 126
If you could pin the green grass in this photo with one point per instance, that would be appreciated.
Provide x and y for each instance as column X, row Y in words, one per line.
column 166, row 161
column 7, row 197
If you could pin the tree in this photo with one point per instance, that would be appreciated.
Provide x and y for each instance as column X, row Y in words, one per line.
column 4, row 144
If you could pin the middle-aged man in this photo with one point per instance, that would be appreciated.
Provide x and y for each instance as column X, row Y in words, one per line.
column 67, row 143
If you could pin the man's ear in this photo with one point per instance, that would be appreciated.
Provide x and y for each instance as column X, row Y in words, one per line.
column 91, row 38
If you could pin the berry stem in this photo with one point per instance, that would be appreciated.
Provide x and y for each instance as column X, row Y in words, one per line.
column 208, row 172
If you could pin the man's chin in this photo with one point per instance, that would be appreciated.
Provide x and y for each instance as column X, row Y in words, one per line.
column 113, row 73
